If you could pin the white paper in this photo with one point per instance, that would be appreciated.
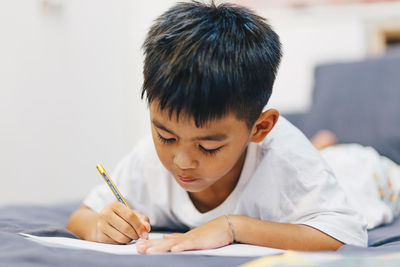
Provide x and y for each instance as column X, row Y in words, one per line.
column 241, row 250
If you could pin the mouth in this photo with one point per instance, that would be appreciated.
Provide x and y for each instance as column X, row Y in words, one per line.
column 186, row 179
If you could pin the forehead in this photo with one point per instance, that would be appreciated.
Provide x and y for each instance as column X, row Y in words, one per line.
column 226, row 123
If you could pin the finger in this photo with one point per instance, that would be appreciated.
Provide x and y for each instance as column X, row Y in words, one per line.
column 130, row 217
column 147, row 226
column 143, row 217
column 109, row 216
column 115, row 235
column 185, row 244
column 173, row 235
column 151, row 246
column 159, row 245
column 103, row 238
column 122, row 226
column 145, row 220
column 141, row 247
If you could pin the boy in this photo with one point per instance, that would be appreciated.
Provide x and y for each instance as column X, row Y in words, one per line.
column 226, row 169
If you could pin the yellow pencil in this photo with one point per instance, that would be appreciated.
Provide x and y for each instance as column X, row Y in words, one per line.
column 112, row 186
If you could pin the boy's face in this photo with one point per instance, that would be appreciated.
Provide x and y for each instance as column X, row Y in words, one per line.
column 199, row 157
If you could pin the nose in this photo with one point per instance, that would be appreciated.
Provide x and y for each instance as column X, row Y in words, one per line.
column 184, row 161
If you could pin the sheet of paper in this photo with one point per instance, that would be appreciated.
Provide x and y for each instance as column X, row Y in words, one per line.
column 241, row 250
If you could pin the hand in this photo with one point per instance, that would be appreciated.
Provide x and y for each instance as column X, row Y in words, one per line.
column 213, row 234
column 117, row 224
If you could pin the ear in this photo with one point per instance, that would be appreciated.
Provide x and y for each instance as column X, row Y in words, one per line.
column 264, row 125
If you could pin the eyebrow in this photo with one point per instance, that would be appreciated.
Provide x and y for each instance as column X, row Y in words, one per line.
column 211, row 137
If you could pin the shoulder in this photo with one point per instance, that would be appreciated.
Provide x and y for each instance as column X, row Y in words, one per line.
column 143, row 154
column 286, row 146
column 141, row 162
column 287, row 169
column 285, row 135
column 285, row 163
column 144, row 149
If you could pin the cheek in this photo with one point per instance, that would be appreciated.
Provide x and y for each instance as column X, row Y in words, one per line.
column 220, row 164
column 163, row 154
column 215, row 167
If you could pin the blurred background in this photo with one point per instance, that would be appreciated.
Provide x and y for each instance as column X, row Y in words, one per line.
column 71, row 74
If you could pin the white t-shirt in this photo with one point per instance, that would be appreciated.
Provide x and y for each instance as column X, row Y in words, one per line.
column 284, row 179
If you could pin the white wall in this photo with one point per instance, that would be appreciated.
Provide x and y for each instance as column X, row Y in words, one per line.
column 317, row 35
column 70, row 79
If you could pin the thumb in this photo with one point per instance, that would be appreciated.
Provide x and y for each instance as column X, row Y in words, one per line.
column 146, row 225
column 144, row 219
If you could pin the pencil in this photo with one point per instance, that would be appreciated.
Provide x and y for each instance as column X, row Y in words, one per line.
column 112, row 186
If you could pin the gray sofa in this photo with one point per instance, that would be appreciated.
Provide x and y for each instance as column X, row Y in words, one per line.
column 359, row 102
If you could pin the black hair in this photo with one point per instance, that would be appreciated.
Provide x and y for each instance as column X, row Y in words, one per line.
column 206, row 60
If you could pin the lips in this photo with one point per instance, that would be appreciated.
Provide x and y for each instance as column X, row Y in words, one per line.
column 186, row 179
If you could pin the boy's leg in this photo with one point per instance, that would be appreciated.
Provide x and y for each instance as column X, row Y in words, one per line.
column 370, row 181
column 392, row 179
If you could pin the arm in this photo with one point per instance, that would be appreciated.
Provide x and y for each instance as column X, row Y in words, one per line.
column 115, row 224
column 217, row 233
column 281, row 235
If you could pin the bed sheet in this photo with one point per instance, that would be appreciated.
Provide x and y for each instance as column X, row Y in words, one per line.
column 15, row 250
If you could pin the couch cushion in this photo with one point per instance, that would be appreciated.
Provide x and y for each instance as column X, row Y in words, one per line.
column 359, row 102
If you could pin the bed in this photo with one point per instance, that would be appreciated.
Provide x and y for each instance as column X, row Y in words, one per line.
column 15, row 250
column 358, row 101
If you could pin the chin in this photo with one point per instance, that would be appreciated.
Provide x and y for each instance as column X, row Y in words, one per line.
column 193, row 190
column 192, row 187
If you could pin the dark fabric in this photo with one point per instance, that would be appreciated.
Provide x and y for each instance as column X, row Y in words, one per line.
column 359, row 102
column 16, row 251
column 384, row 239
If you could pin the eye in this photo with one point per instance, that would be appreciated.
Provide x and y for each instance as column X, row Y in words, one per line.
column 210, row 151
column 165, row 140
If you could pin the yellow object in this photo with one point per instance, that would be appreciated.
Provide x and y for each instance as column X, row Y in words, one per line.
column 293, row 258
column 319, row 258
column 111, row 184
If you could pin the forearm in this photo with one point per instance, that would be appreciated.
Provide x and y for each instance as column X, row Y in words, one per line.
column 83, row 223
column 281, row 235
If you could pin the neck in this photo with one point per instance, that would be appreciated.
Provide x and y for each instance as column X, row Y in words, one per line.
column 217, row 193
